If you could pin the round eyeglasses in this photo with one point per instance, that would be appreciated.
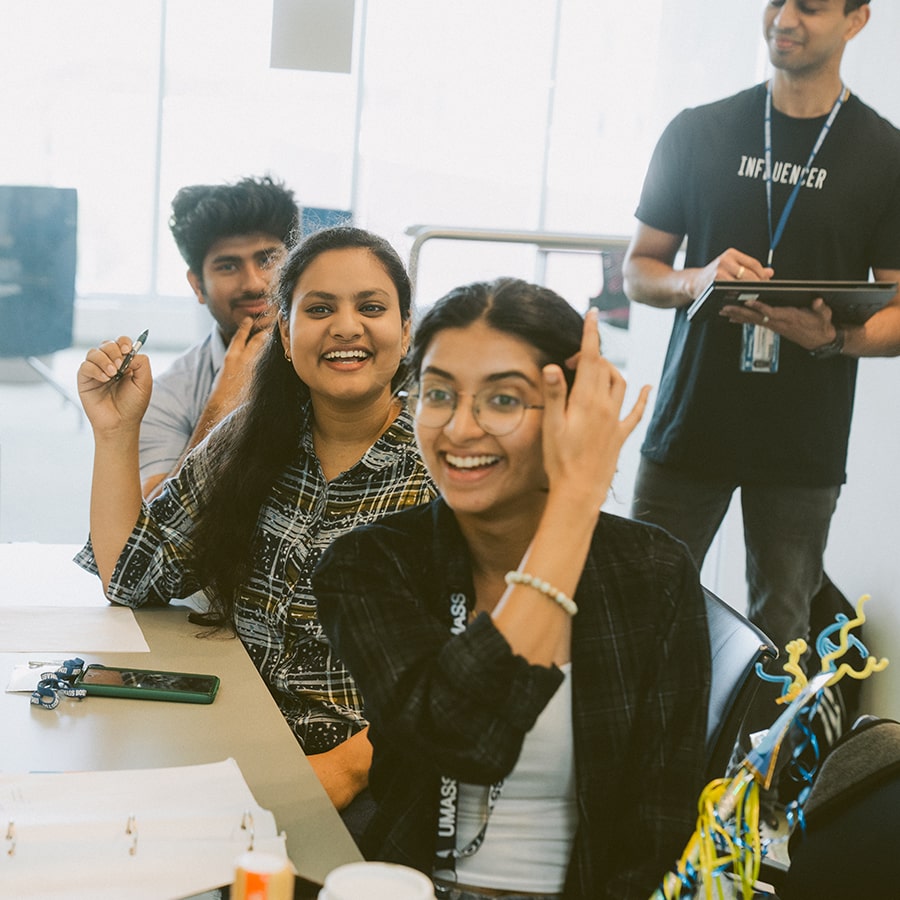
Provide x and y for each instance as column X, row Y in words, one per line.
column 497, row 410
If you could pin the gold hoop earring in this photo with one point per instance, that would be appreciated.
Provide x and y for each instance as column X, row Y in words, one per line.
column 287, row 356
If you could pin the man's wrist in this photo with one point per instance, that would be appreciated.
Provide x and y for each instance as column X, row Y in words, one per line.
column 832, row 348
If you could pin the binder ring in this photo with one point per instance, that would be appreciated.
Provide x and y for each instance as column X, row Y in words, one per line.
column 131, row 829
column 247, row 825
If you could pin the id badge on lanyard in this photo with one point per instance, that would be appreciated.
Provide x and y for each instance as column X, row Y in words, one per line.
column 759, row 349
column 760, row 346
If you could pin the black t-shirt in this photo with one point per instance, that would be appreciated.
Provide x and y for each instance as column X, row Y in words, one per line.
column 707, row 180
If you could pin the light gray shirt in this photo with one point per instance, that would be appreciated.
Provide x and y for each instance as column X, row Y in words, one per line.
column 179, row 397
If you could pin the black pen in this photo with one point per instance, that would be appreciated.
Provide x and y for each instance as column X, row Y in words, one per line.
column 131, row 354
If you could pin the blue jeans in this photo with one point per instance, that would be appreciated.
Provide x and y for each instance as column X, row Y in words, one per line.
column 785, row 532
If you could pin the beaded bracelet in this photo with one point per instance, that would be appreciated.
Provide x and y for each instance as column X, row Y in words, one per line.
column 547, row 589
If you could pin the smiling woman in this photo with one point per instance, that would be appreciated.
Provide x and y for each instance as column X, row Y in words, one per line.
column 484, row 451
column 322, row 444
column 346, row 335
column 535, row 672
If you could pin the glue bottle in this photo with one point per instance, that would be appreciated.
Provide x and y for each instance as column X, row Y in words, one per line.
column 262, row 876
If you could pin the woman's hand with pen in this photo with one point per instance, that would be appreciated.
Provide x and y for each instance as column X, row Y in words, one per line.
column 115, row 389
column 114, row 383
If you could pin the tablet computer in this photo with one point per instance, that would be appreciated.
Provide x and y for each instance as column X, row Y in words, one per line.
column 851, row 302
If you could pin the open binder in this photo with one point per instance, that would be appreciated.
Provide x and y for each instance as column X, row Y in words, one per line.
column 130, row 834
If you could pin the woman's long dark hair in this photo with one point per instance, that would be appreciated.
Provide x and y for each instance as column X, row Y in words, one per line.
column 535, row 314
column 254, row 445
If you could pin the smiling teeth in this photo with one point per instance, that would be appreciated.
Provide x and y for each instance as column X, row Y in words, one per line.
column 471, row 462
column 347, row 354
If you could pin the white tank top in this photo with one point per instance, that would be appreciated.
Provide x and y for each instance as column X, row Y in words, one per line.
column 530, row 833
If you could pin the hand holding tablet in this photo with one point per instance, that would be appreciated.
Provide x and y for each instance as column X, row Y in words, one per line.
column 851, row 302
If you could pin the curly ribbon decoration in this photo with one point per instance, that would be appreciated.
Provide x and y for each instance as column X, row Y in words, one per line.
column 718, row 846
column 802, row 771
column 727, row 834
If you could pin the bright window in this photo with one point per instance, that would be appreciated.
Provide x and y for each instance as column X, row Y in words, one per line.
column 512, row 115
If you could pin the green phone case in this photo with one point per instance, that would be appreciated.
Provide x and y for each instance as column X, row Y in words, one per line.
column 148, row 684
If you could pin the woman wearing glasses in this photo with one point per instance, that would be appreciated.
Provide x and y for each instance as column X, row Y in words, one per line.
column 535, row 673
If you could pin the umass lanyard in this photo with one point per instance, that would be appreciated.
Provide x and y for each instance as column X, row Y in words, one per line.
column 446, row 852
column 775, row 237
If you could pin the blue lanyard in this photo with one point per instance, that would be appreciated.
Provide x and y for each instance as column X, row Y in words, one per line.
column 775, row 237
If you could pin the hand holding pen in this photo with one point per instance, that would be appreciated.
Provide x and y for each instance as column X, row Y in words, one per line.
column 110, row 400
column 135, row 349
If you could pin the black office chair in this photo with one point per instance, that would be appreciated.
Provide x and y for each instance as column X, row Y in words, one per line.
column 736, row 646
column 848, row 847
column 37, row 275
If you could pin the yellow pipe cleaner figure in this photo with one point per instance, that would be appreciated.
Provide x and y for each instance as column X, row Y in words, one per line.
column 832, row 651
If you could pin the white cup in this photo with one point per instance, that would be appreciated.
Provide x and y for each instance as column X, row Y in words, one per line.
column 376, row 881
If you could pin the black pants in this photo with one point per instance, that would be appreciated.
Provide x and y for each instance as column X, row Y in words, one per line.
column 358, row 814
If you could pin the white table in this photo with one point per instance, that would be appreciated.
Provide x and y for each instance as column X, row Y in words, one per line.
column 103, row 733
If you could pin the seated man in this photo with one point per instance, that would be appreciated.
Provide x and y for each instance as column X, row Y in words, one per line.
column 231, row 236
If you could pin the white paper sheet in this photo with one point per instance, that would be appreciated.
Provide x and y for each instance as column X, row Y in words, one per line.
column 69, row 630
column 71, row 836
column 44, row 574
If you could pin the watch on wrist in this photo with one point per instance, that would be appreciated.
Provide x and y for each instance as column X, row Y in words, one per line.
column 832, row 348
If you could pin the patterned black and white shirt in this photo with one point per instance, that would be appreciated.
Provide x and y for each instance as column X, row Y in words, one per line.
column 275, row 611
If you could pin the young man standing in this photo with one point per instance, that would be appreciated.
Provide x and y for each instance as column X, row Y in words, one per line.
column 795, row 178
column 231, row 236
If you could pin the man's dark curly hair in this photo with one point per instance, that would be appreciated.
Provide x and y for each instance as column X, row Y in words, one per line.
column 205, row 213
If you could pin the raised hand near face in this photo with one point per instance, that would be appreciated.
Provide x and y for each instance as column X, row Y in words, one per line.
column 584, row 432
